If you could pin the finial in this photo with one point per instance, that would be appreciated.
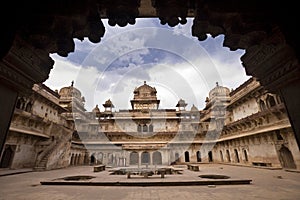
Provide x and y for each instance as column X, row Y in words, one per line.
column 72, row 83
column 217, row 83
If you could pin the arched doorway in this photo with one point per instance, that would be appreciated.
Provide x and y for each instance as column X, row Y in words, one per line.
column 237, row 159
column 145, row 158
column 245, row 155
column 156, row 157
column 7, row 157
column 210, row 156
column 93, row 159
column 134, row 158
column 221, row 156
column 228, row 156
column 198, row 156
column 186, row 156
column 286, row 158
column 100, row 157
column 72, row 159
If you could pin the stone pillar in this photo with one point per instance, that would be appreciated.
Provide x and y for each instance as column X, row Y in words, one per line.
column 20, row 67
column 291, row 98
column 151, row 158
column 140, row 159
column 7, row 102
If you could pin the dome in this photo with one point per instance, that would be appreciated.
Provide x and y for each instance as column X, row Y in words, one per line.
column 219, row 91
column 70, row 91
column 145, row 92
column 194, row 108
column 181, row 103
column 108, row 104
column 96, row 109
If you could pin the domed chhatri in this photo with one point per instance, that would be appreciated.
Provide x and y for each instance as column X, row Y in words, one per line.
column 194, row 108
column 70, row 91
column 96, row 109
column 219, row 91
column 145, row 97
column 145, row 91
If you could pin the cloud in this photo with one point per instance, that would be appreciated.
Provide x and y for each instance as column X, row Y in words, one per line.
column 170, row 59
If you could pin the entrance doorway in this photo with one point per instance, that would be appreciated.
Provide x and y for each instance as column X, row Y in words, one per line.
column 198, row 156
column 210, row 156
column 286, row 158
column 7, row 156
column 186, row 156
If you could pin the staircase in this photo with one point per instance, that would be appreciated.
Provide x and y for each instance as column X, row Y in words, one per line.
column 41, row 166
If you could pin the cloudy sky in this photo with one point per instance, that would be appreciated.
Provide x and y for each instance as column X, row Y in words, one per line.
column 169, row 59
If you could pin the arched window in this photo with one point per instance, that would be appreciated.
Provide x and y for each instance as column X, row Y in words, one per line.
column 134, row 158
column 156, row 157
column 28, row 107
column 271, row 101
column 145, row 128
column 145, row 158
column 262, row 105
column 19, row 103
column 150, row 128
column 139, row 128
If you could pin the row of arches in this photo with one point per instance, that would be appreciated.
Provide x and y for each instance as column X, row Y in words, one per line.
column 78, row 159
column 198, row 156
column 269, row 102
column 145, row 128
column 236, row 158
column 24, row 104
column 145, row 157
column 284, row 154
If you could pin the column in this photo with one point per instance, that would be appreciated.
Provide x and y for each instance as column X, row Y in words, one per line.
column 7, row 102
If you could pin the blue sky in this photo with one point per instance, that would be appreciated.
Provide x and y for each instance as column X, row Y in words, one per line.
column 169, row 59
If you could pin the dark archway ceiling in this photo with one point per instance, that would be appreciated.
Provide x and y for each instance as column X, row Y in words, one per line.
column 262, row 28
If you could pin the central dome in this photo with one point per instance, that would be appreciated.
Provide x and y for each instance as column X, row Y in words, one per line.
column 145, row 92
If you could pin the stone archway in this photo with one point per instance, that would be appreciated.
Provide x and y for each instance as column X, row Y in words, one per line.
column 237, row 159
column 134, row 158
column 145, row 157
column 228, row 156
column 186, row 156
column 210, row 156
column 93, row 159
column 286, row 158
column 199, row 156
column 221, row 156
column 7, row 157
column 156, row 158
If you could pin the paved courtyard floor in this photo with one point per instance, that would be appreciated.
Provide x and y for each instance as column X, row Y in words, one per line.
column 265, row 184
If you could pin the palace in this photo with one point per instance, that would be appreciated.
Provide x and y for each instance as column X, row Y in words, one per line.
column 246, row 126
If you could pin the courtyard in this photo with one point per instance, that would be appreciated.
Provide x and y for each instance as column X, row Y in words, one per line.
column 266, row 183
